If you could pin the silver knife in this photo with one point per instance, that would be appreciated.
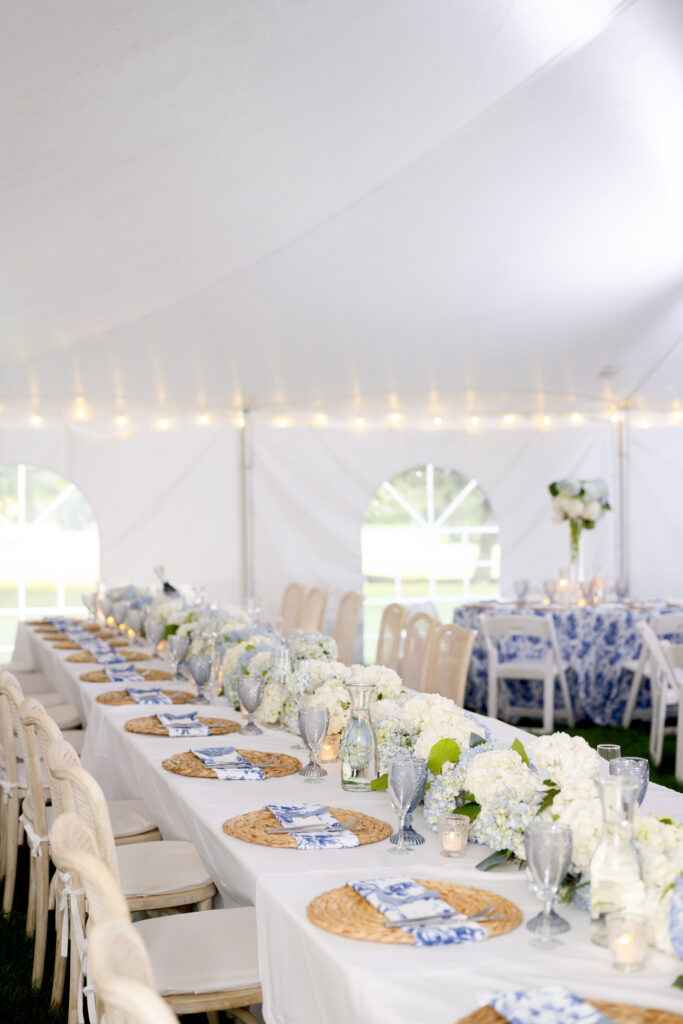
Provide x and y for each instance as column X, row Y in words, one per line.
column 481, row 917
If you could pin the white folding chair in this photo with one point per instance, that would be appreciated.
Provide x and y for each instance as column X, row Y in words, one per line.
column 201, row 962
column 664, row 687
column 547, row 668
column 662, row 625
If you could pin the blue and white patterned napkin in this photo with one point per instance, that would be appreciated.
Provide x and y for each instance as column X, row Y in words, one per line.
column 330, row 837
column 550, row 1004
column 152, row 695
column 78, row 635
column 126, row 675
column 183, row 724
column 401, row 899
column 229, row 765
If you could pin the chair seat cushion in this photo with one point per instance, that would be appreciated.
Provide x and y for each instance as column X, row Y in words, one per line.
column 65, row 715
column 150, row 869
column 48, row 698
column 207, row 951
column 130, row 818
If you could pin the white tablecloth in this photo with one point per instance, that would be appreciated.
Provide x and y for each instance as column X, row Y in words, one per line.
column 308, row 974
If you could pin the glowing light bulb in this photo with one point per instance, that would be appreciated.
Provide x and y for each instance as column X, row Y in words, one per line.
column 163, row 424
column 282, row 423
column 395, row 417
column 240, row 421
column 437, row 421
column 474, row 420
column 80, row 413
column 321, row 419
column 36, row 421
column 576, row 417
column 616, row 417
column 360, row 422
column 120, row 421
column 546, row 421
column 678, row 416
column 202, row 420
column 509, row 419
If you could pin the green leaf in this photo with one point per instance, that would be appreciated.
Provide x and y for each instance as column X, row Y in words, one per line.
column 548, row 798
column 476, row 740
column 667, row 821
column 442, row 751
column 517, row 746
column 381, row 782
column 170, row 630
column 495, row 860
column 471, row 810
column 678, row 983
column 554, row 490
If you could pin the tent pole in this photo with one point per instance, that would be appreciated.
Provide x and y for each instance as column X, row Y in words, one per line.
column 624, row 538
column 246, row 505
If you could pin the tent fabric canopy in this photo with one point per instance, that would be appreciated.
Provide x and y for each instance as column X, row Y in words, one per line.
column 331, row 202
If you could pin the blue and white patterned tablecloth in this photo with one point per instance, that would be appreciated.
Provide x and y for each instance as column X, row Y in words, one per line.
column 595, row 641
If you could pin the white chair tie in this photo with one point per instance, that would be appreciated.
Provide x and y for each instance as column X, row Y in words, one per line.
column 69, row 909
column 7, row 789
column 34, row 840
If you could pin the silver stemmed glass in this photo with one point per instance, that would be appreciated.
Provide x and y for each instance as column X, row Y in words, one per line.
column 636, row 767
column 134, row 623
column 200, row 670
column 607, row 752
column 521, row 590
column 89, row 599
column 313, row 725
column 250, row 690
column 176, row 649
column 411, row 837
column 407, row 780
column 548, row 853
column 155, row 631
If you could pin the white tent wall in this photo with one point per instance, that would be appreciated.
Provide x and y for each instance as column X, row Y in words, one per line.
column 158, row 496
column 655, row 503
column 312, row 487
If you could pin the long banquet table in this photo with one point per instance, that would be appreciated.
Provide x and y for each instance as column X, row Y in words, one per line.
column 310, row 975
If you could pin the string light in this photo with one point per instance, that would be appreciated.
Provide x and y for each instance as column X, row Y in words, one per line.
column 321, row 419
column 546, row 421
column 474, row 420
column 202, row 420
column 576, row 417
column 282, row 423
column 121, row 421
column 509, row 419
column 616, row 417
column 395, row 417
column 80, row 413
column 360, row 422
column 437, row 421
column 36, row 421
column 163, row 424
column 678, row 416
column 240, row 422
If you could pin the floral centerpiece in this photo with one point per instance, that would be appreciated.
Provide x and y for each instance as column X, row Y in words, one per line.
column 419, row 723
column 502, row 789
column 581, row 503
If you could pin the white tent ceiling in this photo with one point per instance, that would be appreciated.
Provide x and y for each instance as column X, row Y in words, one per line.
column 343, row 202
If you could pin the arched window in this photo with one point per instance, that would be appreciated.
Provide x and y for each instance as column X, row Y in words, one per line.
column 49, row 548
column 429, row 534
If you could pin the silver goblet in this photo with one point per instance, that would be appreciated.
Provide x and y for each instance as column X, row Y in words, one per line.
column 200, row 670
column 250, row 690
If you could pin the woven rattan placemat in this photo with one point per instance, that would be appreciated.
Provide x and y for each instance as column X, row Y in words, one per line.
column 620, row 1013
column 151, row 675
column 66, row 645
column 189, row 764
column 345, row 912
column 150, row 725
column 252, row 827
column 85, row 658
column 119, row 698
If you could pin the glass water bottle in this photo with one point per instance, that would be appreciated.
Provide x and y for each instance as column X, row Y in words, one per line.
column 616, row 873
column 358, row 750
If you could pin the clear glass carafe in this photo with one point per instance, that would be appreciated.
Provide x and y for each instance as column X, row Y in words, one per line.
column 616, row 874
column 358, row 750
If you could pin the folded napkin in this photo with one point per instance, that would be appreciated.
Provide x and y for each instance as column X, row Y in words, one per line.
column 330, row 836
column 78, row 635
column 183, row 724
column 228, row 764
column 108, row 658
column 401, row 899
column 551, row 1004
column 152, row 695
column 128, row 674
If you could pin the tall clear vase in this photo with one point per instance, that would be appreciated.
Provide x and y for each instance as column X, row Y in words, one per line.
column 616, row 873
column 358, row 751
column 575, row 557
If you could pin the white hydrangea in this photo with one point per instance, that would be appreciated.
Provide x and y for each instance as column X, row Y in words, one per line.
column 335, row 697
column 322, row 671
column 271, row 706
column 567, row 760
column 387, row 683
column 579, row 807
column 496, row 770
column 434, row 717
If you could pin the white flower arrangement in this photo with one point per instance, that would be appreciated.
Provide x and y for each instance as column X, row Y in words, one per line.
column 270, row 708
column 312, row 645
column 582, row 501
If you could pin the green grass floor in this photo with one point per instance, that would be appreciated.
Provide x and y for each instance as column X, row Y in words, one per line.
column 21, row 1004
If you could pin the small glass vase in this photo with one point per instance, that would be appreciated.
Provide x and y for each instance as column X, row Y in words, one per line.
column 575, row 557
column 616, row 873
column 358, row 751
